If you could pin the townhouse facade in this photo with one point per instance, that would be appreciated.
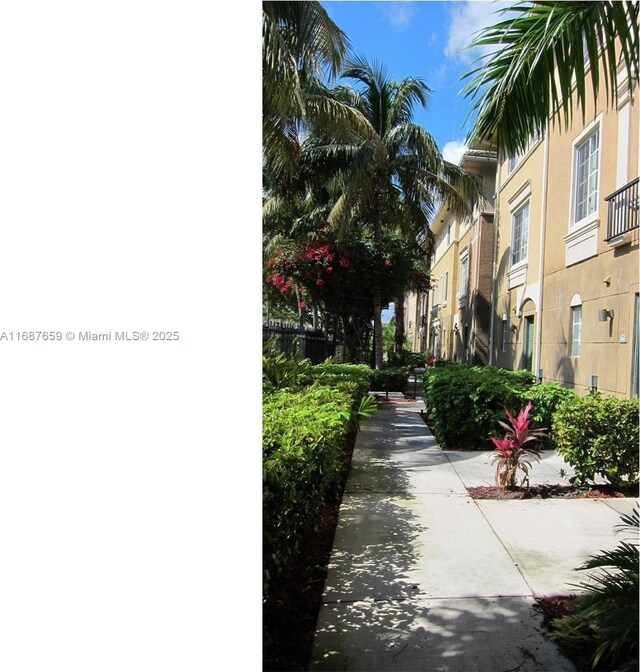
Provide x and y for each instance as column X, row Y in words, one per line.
column 564, row 264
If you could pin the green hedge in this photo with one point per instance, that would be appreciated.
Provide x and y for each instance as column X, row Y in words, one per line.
column 599, row 435
column 304, row 433
column 465, row 402
column 390, row 379
column 410, row 359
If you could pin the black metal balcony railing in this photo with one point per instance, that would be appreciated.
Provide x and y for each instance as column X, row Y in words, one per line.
column 623, row 210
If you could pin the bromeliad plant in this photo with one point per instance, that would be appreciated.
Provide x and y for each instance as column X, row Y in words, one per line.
column 512, row 452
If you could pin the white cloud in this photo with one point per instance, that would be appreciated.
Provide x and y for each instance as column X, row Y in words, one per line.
column 398, row 13
column 466, row 18
column 453, row 151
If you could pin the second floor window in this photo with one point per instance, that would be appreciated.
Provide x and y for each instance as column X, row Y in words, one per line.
column 445, row 286
column 586, row 177
column 520, row 235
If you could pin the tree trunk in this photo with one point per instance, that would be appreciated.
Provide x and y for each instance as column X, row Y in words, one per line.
column 399, row 320
column 378, row 349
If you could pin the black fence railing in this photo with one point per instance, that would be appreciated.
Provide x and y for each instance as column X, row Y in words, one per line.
column 623, row 210
column 299, row 343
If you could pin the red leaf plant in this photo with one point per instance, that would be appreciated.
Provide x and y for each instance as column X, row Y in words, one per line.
column 511, row 453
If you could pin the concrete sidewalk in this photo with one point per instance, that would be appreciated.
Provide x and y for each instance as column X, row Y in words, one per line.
column 422, row 577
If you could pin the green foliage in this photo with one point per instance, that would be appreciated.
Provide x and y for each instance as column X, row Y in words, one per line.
column 606, row 615
column 278, row 371
column 410, row 359
column 304, row 433
column 390, row 379
column 336, row 374
column 599, row 435
column 545, row 399
column 366, row 409
column 465, row 403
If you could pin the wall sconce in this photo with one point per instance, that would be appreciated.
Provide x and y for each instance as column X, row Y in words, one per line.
column 539, row 375
column 604, row 314
column 456, row 329
column 514, row 327
column 593, row 382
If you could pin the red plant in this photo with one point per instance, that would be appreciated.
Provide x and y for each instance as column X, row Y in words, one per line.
column 511, row 453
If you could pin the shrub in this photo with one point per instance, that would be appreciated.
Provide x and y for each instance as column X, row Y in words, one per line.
column 545, row 399
column 465, row 403
column 599, row 435
column 278, row 371
column 607, row 613
column 304, row 433
column 411, row 359
column 335, row 374
column 390, row 379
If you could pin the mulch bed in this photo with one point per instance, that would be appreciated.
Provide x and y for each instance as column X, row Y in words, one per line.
column 289, row 618
column 549, row 492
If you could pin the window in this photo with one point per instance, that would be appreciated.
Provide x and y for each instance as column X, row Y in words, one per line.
column 576, row 330
column 505, row 331
column 520, row 235
column 586, row 178
column 513, row 162
column 464, row 275
column 445, row 287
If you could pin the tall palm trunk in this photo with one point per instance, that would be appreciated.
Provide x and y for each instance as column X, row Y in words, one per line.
column 377, row 288
column 398, row 337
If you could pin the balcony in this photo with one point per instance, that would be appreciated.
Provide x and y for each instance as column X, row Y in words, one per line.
column 622, row 216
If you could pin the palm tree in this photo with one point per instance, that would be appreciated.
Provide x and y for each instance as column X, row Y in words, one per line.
column 542, row 54
column 393, row 172
column 301, row 48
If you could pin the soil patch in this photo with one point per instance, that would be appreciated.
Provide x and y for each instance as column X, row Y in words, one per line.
column 289, row 618
column 547, row 491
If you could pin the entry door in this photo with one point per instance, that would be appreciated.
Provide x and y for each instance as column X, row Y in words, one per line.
column 527, row 352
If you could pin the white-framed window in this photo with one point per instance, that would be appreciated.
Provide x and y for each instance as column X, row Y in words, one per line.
column 576, row 324
column 520, row 234
column 576, row 330
column 586, row 177
column 445, row 286
column 464, row 274
column 512, row 163
column 505, row 332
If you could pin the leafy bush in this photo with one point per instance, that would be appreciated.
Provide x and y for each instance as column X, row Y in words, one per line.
column 390, row 379
column 607, row 613
column 278, row 371
column 411, row 359
column 599, row 435
column 465, row 403
column 303, row 436
column 335, row 374
column 546, row 398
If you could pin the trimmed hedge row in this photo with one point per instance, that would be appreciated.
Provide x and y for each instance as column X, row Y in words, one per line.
column 305, row 428
column 599, row 435
column 465, row 402
column 390, row 379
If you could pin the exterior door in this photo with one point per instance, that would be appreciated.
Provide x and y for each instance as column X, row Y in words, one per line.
column 527, row 352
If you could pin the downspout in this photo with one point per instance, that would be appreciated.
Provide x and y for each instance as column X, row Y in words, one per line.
column 496, row 222
column 543, row 222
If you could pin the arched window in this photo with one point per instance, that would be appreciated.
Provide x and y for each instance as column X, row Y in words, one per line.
column 576, row 325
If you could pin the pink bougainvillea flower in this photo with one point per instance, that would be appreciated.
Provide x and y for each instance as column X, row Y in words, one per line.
column 302, row 305
column 319, row 282
column 344, row 262
column 271, row 262
column 387, row 262
column 329, row 269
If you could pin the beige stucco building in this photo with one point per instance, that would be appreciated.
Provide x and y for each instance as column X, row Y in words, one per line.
column 453, row 319
column 562, row 265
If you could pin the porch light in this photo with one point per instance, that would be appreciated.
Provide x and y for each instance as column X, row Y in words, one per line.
column 604, row 314
column 539, row 375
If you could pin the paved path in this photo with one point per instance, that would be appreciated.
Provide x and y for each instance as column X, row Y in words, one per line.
column 422, row 577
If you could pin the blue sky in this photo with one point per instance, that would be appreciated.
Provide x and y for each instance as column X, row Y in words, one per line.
column 422, row 39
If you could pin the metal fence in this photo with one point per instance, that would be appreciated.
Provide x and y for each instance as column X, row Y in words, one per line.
column 299, row 343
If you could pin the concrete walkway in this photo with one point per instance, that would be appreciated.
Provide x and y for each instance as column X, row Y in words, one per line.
column 422, row 577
